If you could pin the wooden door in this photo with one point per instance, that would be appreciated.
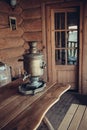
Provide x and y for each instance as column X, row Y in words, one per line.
column 64, row 42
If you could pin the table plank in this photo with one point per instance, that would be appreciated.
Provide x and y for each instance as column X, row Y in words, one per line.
column 27, row 112
column 12, row 109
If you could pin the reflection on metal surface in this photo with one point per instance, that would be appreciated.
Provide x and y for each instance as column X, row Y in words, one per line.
column 34, row 65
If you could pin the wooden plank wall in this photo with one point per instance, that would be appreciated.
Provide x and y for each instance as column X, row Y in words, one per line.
column 30, row 19
column 13, row 44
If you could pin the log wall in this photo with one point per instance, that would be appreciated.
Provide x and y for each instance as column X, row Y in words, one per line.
column 11, row 42
column 30, row 15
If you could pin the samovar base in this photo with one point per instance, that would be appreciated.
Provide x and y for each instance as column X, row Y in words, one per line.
column 28, row 88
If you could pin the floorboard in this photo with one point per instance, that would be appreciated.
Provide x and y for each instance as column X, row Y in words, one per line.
column 58, row 111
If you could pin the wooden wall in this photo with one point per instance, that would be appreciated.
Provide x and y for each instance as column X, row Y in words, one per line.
column 30, row 16
column 13, row 44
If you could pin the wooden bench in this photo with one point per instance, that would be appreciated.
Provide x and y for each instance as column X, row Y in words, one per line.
column 19, row 112
column 75, row 118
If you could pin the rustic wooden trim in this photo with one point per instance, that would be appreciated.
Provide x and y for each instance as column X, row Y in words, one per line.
column 84, row 44
column 81, row 48
column 44, row 46
column 53, row 46
column 64, row 5
column 49, row 47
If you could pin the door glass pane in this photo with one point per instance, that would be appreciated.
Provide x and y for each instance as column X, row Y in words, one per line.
column 72, row 56
column 72, row 36
column 66, row 37
column 59, row 20
column 72, row 42
column 72, row 20
column 60, row 39
column 60, row 57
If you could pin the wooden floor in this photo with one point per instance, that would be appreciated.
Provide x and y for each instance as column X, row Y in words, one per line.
column 57, row 113
column 75, row 118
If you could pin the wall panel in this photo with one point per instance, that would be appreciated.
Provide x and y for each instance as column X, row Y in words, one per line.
column 32, row 25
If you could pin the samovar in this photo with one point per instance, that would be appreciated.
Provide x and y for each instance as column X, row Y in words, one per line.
column 34, row 66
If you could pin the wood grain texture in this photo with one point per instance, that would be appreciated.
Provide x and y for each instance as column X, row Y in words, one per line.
column 32, row 25
column 25, row 4
column 6, row 8
column 31, row 13
column 16, row 64
column 75, row 118
column 34, row 36
column 40, row 46
column 5, row 20
column 20, row 109
column 11, row 53
column 83, row 124
column 9, row 33
column 78, row 115
column 6, row 43
column 68, row 117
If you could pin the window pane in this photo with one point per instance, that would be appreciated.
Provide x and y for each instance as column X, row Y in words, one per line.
column 63, row 39
column 60, row 39
column 72, row 56
column 57, row 39
column 72, row 36
column 59, row 20
column 60, row 57
column 72, row 20
column 66, row 38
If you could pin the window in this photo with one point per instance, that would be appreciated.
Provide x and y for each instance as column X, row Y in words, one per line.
column 66, row 37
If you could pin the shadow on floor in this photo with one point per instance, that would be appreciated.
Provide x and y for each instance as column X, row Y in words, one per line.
column 58, row 111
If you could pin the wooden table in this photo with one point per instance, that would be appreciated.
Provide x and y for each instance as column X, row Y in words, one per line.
column 19, row 112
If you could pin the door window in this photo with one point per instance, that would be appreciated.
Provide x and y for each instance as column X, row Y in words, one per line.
column 66, row 37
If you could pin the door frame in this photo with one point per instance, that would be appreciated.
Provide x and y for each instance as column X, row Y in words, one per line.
column 50, row 66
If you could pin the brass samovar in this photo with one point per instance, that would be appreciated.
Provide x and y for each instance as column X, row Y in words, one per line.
column 34, row 66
